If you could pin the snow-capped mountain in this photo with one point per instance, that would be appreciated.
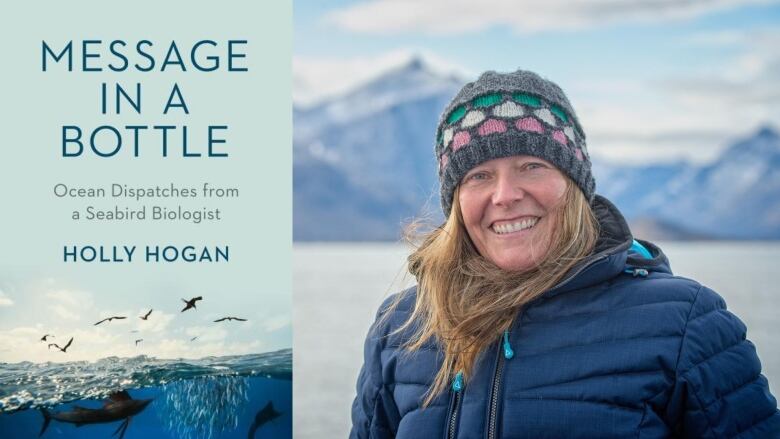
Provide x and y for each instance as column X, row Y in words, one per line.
column 363, row 164
column 737, row 196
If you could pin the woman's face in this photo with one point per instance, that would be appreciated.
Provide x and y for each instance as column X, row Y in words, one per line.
column 508, row 207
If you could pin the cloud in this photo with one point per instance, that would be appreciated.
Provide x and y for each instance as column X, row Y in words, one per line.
column 451, row 17
column 276, row 322
column 23, row 344
column 67, row 304
column 717, row 39
column 207, row 333
column 748, row 84
column 692, row 115
column 5, row 300
column 70, row 298
column 64, row 312
column 157, row 322
column 180, row 348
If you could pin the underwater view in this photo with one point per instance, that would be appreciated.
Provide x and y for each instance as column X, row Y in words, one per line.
column 246, row 396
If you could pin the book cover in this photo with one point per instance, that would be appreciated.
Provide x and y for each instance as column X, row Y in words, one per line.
column 145, row 176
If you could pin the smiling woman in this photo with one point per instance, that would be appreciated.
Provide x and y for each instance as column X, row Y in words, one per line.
column 513, row 238
column 537, row 313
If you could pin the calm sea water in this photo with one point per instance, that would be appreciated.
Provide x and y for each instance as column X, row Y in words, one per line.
column 338, row 287
column 214, row 397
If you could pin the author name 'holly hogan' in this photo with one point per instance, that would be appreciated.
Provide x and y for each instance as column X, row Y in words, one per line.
column 150, row 253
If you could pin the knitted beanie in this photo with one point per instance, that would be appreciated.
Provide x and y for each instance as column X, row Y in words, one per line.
column 506, row 114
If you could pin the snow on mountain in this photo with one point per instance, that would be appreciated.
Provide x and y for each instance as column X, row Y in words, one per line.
column 411, row 81
column 378, row 140
column 738, row 195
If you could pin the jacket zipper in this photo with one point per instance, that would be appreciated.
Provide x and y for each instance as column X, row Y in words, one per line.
column 452, row 424
column 493, row 414
column 454, row 417
column 494, row 394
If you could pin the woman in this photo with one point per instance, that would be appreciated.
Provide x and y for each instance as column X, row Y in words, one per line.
column 536, row 313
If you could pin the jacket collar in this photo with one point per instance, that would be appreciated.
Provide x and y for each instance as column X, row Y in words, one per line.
column 610, row 256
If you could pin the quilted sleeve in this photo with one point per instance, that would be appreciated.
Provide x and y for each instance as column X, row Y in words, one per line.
column 374, row 414
column 719, row 391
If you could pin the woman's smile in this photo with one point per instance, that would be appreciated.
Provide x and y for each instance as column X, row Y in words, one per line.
column 514, row 226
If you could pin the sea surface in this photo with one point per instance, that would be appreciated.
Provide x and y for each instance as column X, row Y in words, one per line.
column 213, row 397
column 338, row 288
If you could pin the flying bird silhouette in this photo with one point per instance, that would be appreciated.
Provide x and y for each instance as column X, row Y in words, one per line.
column 108, row 319
column 229, row 318
column 58, row 346
column 194, row 338
column 138, row 341
column 191, row 303
column 144, row 317
column 45, row 336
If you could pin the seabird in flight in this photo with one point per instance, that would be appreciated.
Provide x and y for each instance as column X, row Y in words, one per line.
column 58, row 346
column 190, row 303
column 229, row 318
column 109, row 319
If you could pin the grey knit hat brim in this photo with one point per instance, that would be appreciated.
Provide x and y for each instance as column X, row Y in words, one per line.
column 509, row 144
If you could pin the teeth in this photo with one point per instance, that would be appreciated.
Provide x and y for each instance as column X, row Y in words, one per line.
column 514, row 227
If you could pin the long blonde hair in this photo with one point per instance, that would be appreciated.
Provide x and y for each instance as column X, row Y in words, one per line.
column 465, row 302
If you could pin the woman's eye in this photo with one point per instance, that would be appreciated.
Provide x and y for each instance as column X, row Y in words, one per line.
column 477, row 176
column 534, row 165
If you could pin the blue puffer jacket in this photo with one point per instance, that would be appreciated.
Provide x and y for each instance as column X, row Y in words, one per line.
column 620, row 348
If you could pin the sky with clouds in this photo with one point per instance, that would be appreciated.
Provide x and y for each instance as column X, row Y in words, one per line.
column 68, row 300
column 651, row 80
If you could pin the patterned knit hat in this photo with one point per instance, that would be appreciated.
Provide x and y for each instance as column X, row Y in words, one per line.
column 506, row 114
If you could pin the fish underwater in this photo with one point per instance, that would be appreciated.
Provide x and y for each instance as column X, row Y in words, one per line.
column 118, row 406
column 266, row 414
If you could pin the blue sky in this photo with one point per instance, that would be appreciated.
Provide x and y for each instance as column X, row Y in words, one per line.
column 653, row 81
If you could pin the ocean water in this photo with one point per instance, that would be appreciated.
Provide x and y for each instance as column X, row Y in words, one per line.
column 338, row 288
column 214, row 397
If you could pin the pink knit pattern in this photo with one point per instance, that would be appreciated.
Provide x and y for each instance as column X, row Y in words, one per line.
column 461, row 138
column 444, row 160
column 529, row 124
column 492, row 126
column 559, row 136
column 578, row 153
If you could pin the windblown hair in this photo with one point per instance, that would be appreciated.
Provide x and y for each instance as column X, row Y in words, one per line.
column 465, row 302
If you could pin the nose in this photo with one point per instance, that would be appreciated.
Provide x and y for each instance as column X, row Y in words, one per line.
column 507, row 191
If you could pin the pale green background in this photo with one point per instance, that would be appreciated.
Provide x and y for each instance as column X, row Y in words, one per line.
column 38, row 292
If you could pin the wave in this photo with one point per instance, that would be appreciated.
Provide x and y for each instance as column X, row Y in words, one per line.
column 30, row 385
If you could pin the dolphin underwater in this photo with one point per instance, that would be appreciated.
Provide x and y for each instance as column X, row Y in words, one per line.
column 118, row 406
column 266, row 414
